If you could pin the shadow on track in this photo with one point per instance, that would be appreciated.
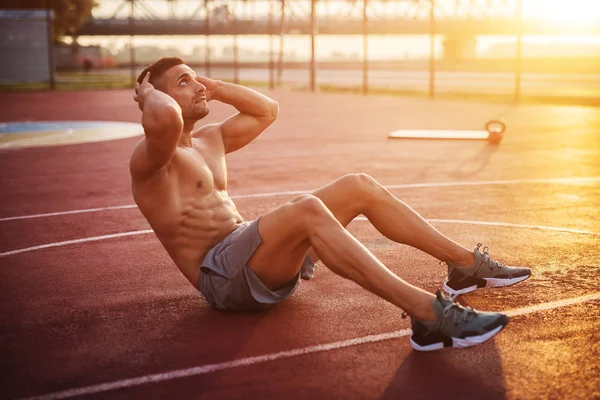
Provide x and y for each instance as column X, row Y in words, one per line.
column 452, row 374
column 476, row 163
column 472, row 373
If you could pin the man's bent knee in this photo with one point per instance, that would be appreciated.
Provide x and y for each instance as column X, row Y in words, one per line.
column 361, row 188
column 358, row 181
column 309, row 205
column 309, row 210
column 365, row 182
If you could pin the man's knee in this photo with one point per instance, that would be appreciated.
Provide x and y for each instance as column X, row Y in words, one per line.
column 361, row 187
column 366, row 181
column 309, row 205
column 309, row 210
column 359, row 181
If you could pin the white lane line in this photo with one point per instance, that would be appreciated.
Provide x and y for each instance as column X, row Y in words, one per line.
column 541, row 227
column 204, row 369
column 75, row 241
column 505, row 224
column 243, row 362
column 52, row 214
column 451, row 221
column 552, row 305
column 566, row 181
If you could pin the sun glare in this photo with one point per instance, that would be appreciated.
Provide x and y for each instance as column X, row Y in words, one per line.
column 564, row 12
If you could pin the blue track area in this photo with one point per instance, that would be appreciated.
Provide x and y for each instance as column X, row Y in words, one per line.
column 21, row 127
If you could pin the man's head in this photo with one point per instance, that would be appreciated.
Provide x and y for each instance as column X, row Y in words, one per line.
column 172, row 76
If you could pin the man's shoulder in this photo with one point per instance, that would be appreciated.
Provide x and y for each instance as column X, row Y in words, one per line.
column 208, row 132
column 209, row 135
column 138, row 151
column 138, row 145
column 140, row 165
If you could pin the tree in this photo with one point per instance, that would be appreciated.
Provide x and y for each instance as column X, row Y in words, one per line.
column 68, row 14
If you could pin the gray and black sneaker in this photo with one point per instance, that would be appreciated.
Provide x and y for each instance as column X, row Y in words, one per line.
column 484, row 273
column 456, row 326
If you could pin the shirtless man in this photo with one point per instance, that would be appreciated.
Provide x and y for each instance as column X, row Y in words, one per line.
column 179, row 182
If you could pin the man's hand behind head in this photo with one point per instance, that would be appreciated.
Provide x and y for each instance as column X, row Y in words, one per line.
column 142, row 90
column 210, row 85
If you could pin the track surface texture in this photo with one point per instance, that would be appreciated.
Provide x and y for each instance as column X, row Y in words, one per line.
column 113, row 317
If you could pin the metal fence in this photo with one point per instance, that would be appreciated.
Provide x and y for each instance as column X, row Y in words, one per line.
column 448, row 66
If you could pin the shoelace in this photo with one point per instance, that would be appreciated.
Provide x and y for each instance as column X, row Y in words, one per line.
column 487, row 260
column 467, row 313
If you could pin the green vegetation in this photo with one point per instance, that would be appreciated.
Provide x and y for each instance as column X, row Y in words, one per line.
column 33, row 87
column 72, row 81
column 82, row 81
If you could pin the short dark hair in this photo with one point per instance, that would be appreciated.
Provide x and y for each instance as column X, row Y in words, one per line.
column 158, row 68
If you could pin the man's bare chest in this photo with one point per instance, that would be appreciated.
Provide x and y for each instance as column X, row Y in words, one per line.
column 194, row 167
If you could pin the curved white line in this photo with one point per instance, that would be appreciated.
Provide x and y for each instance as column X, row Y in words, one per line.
column 451, row 221
column 565, row 181
column 75, row 241
column 87, row 210
column 506, row 224
column 541, row 227
column 244, row 362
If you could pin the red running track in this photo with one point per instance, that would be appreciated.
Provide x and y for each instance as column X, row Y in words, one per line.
column 114, row 318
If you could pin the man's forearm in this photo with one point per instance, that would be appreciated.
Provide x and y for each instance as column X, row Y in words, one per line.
column 245, row 100
column 160, row 111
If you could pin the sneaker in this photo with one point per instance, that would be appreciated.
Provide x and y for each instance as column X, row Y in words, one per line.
column 455, row 326
column 484, row 273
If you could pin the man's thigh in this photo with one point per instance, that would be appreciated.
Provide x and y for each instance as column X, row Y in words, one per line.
column 285, row 241
column 341, row 197
column 284, row 245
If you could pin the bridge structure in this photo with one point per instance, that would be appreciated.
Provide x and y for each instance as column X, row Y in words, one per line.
column 335, row 17
column 458, row 21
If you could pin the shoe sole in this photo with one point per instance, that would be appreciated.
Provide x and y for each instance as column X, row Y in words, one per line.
column 490, row 282
column 458, row 342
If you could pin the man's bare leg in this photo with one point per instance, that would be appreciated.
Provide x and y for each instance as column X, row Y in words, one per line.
column 357, row 194
column 289, row 231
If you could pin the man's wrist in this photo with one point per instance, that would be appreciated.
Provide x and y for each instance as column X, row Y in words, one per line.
column 214, row 92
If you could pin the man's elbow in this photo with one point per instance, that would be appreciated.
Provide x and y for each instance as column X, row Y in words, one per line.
column 167, row 119
column 173, row 118
column 167, row 116
column 274, row 110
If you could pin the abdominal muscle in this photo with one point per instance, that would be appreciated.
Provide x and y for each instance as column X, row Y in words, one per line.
column 201, row 223
column 188, row 221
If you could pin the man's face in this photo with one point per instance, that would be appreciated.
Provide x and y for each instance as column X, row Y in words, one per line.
column 180, row 83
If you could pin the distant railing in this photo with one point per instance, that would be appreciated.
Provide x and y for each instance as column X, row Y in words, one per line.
column 497, row 26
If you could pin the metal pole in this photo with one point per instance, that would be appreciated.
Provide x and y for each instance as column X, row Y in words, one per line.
column 271, row 61
column 313, row 66
column 131, row 48
column 206, row 40
column 519, row 55
column 365, row 85
column 49, row 32
column 281, row 31
column 236, row 65
column 432, row 50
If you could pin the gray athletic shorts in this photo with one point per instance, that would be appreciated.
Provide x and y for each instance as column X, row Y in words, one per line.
column 228, row 284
